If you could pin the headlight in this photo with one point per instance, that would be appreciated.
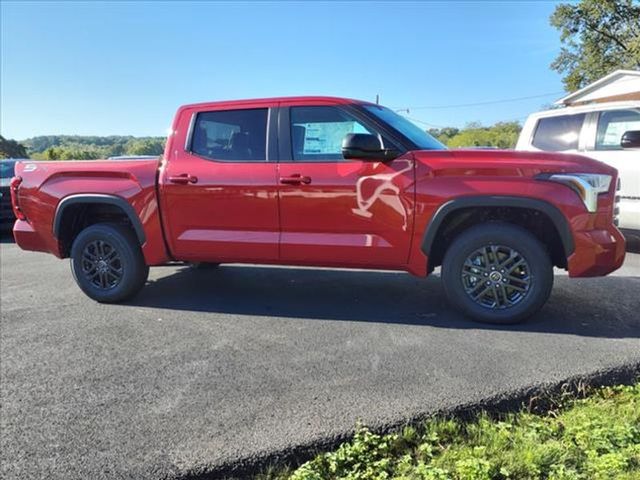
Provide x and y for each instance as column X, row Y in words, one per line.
column 586, row 185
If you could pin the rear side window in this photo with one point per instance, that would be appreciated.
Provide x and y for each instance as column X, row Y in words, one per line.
column 611, row 126
column 558, row 133
column 231, row 135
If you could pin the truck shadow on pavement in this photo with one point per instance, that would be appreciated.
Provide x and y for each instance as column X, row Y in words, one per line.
column 598, row 307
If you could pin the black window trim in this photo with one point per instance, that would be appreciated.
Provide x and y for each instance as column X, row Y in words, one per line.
column 285, row 148
column 271, row 140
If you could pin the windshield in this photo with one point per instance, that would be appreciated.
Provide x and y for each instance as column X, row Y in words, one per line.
column 422, row 139
column 6, row 169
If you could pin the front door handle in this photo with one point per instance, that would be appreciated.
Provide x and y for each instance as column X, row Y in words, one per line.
column 183, row 179
column 295, row 179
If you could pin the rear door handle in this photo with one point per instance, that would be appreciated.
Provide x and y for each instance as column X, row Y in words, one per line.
column 183, row 179
column 295, row 179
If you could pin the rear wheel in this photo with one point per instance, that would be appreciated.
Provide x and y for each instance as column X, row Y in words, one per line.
column 107, row 263
column 497, row 273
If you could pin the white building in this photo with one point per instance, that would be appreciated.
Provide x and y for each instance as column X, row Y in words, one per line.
column 618, row 86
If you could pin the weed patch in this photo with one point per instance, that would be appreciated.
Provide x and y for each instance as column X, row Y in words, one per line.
column 592, row 438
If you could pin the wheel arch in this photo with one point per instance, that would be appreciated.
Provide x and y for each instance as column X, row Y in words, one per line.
column 70, row 203
column 449, row 209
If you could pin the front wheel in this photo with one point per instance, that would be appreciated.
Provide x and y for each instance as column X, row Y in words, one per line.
column 107, row 263
column 497, row 273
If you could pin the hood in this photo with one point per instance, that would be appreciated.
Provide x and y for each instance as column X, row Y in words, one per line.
column 525, row 163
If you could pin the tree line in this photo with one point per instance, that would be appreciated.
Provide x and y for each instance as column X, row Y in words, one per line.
column 77, row 147
column 501, row 135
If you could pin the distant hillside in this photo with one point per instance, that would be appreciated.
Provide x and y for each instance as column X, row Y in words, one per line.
column 78, row 147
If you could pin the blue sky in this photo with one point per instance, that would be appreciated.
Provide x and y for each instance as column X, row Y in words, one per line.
column 124, row 67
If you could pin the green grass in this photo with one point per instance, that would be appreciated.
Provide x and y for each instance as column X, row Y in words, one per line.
column 595, row 438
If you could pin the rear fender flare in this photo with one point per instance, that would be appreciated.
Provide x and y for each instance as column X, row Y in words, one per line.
column 95, row 199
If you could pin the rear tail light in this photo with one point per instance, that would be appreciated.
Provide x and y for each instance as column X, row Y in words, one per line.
column 13, row 188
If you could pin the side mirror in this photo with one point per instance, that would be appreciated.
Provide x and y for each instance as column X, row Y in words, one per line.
column 365, row 146
column 630, row 139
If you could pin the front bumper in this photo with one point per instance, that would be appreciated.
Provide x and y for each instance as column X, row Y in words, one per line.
column 597, row 252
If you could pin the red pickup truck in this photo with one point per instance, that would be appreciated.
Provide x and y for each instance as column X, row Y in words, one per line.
column 328, row 182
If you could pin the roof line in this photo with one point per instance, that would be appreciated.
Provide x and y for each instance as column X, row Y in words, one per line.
column 604, row 80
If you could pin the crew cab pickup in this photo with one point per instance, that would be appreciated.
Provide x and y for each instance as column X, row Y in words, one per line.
column 327, row 182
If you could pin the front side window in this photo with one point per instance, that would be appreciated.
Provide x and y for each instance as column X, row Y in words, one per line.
column 612, row 124
column 231, row 135
column 556, row 134
column 317, row 132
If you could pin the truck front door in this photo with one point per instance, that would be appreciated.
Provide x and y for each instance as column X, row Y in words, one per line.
column 335, row 211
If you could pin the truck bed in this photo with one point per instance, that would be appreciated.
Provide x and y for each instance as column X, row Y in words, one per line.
column 46, row 184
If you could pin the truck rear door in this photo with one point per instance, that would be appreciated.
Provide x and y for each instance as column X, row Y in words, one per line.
column 218, row 187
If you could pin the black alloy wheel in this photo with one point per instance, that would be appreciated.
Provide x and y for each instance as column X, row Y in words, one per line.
column 497, row 273
column 102, row 265
column 107, row 262
column 496, row 276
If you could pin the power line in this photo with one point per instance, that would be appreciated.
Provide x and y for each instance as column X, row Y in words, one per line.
column 489, row 102
column 423, row 122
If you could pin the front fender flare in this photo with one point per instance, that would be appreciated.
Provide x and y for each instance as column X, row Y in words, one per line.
column 554, row 214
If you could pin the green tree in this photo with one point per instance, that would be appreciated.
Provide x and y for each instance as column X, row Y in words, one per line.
column 444, row 134
column 114, row 150
column 72, row 153
column 145, row 146
column 500, row 135
column 52, row 153
column 11, row 149
column 86, row 147
column 598, row 37
column 81, row 153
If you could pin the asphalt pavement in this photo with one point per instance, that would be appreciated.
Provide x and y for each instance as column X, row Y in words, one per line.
column 205, row 368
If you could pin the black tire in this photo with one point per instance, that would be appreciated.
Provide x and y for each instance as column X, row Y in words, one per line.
column 525, row 289
column 118, row 270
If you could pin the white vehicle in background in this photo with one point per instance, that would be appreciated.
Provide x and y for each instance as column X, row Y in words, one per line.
column 609, row 132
